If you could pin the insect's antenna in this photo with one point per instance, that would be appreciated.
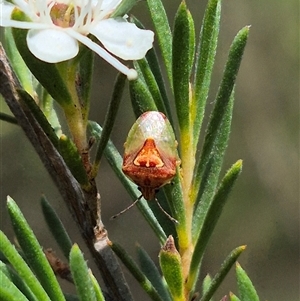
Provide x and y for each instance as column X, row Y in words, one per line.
column 166, row 213
column 124, row 210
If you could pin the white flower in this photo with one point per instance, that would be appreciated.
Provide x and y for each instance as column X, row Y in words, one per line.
column 58, row 26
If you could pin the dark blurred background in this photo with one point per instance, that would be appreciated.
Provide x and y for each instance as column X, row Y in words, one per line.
column 263, row 210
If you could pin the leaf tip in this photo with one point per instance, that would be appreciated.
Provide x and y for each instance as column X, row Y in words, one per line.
column 237, row 265
column 9, row 200
column 243, row 247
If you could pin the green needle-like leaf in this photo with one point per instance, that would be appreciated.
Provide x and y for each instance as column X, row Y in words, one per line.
column 153, row 62
column 211, row 219
column 210, row 176
column 70, row 153
column 46, row 105
column 152, row 85
column 225, row 268
column 21, row 267
column 33, row 252
column 17, row 280
column 141, row 98
column 206, row 284
column 223, row 98
column 97, row 288
column 151, row 272
column 168, row 225
column 163, row 32
column 136, row 272
column 8, row 290
column 56, row 227
column 81, row 275
column 181, row 57
column 123, row 8
column 110, row 118
column 84, row 79
column 70, row 297
column 171, row 266
column 24, row 75
column 233, row 297
column 204, row 65
column 246, row 289
column 8, row 118
column 39, row 116
column 173, row 193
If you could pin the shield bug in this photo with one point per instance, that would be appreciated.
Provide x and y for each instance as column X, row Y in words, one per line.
column 150, row 155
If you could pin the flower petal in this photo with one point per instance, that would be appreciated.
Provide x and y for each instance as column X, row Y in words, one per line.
column 107, row 5
column 123, row 39
column 52, row 45
column 131, row 73
column 6, row 9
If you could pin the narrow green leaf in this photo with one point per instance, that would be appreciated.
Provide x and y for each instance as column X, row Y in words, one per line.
column 141, row 98
column 81, row 275
column 163, row 31
column 174, row 197
column 56, row 227
column 181, row 66
column 223, row 98
column 225, row 268
column 8, row 118
column 33, row 252
column 115, row 161
column 97, row 289
column 84, row 80
column 70, row 153
column 17, row 280
column 211, row 218
column 153, row 62
column 39, row 116
column 192, row 38
column 24, row 75
column 205, row 60
column 233, row 297
column 110, row 118
column 167, row 225
column 8, row 291
column 21, row 267
column 152, row 85
column 70, row 297
column 213, row 163
column 246, row 289
column 139, row 71
column 150, row 270
column 46, row 105
column 47, row 74
column 136, row 272
column 123, row 8
column 206, row 284
column 171, row 266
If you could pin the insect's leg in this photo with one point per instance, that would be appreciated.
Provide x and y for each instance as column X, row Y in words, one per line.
column 166, row 213
column 130, row 206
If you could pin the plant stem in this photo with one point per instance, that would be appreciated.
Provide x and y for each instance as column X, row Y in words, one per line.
column 73, row 111
column 188, row 164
